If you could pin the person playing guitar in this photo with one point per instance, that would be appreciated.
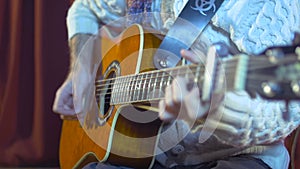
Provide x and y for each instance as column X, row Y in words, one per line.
column 200, row 125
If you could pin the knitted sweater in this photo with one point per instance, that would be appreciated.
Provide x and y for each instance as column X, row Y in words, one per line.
column 256, row 125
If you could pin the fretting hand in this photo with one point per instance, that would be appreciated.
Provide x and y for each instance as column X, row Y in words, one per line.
column 180, row 102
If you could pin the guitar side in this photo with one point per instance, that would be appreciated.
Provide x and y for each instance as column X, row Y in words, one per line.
column 78, row 148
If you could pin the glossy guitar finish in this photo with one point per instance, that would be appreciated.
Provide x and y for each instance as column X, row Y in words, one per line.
column 127, row 128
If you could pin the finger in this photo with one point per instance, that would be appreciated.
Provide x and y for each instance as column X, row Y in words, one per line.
column 57, row 101
column 168, row 97
column 63, row 102
column 173, row 96
column 195, row 108
column 65, row 111
column 179, row 89
column 163, row 114
column 60, row 106
column 190, row 56
column 64, row 105
column 217, row 100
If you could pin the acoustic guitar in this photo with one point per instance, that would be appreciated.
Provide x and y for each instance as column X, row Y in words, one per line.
column 126, row 129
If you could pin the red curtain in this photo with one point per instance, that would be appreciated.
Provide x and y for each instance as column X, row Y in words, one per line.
column 34, row 60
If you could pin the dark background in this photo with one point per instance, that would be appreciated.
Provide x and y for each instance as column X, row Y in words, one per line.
column 34, row 60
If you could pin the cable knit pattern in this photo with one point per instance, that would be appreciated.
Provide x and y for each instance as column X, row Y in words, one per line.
column 246, row 121
column 259, row 23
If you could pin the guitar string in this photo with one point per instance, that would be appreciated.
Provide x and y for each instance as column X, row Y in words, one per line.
column 135, row 77
column 170, row 71
column 233, row 60
column 146, row 79
column 146, row 97
column 178, row 69
column 165, row 78
column 140, row 96
column 153, row 98
column 252, row 65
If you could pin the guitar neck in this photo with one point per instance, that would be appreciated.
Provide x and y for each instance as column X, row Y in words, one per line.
column 242, row 72
column 150, row 86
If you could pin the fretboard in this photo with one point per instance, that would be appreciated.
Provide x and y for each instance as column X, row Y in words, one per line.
column 150, row 86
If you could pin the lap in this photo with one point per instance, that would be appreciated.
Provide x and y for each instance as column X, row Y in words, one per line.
column 240, row 162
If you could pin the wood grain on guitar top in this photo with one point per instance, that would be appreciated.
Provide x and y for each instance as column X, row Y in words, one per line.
column 120, row 141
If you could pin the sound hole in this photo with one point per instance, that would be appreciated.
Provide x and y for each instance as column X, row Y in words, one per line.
column 104, row 98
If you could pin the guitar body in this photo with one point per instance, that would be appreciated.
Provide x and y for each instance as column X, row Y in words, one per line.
column 128, row 133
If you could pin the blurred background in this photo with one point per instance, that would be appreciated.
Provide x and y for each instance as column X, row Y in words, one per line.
column 34, row 60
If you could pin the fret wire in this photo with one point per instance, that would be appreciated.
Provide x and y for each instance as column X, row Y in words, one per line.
column 128, row 88
column 125, row 89
column 191, row 67
column 161, row 84
column 112, row 78
column 119, row 95
column 228, row 66
column 118, row 82
column 117, row 87
column 115, row 92
column 154, row 85
column 139, row 86
column 254, row 63
column 99, row 81
column 121, row 90
column 157, row 74
column 230, row 79
column 144, row 87
column 121, row 85
column 135, row 88
column 131, row 90
column 156, row 98
column 144, row 79
column 150, row 86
